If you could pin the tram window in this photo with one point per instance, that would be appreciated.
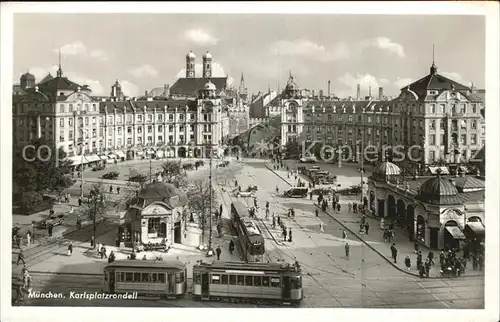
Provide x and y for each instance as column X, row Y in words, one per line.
column 275, row 281
column 197, row 278
column 120, row 277
column 161, row 277
column 241, row 279
column 154, row 277
column 232, row 279
column 248, row 280
column 179, row 277
column 182, row 277
column 257, row 280
column 223, row 279
column 145, row 277
column 137, row 277
column 215, row 279
column 265, row 280
column 129, row 277
column 296, row 282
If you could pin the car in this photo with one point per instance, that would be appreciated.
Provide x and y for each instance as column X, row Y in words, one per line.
column 308, row 159
column 353, row 190
column 296, row 192
column 54, row 220
column 223, row 164
column 245, row 194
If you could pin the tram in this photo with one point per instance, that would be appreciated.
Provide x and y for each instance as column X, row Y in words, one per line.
column 166, row 279
column 254, row 282
column 249, row 235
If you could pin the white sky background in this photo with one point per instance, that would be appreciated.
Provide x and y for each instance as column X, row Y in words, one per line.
column 148, row 51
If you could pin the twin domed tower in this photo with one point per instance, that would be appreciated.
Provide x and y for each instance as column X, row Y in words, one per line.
column 191, row 64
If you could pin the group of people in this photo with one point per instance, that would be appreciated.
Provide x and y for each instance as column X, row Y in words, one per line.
column 354, row 207
column 64, row 197
column 24, row 284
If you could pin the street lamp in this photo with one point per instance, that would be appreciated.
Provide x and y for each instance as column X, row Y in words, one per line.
column 81, row 171
column 210, row 251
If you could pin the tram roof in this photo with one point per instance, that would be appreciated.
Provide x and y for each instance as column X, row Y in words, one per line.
column 247, row 265
column 240, row 208
column 147, row 264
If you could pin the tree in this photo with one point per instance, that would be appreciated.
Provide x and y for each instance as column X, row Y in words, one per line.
column 199, row 202
column 97, row 207
column 40, row 169
column 173, row 173
column 292, row 148
column 135, row 176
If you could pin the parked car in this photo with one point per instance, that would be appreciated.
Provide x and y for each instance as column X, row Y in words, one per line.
column 223, row 164
column 252, row 188
column 55, row 220
column 353, row 190
column 113, row 175
column 296, row 192
column 245, row 194
column 308, row 159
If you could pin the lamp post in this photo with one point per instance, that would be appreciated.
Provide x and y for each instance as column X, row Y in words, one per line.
column 361, row 170
column 210, row 196
column 81, row 171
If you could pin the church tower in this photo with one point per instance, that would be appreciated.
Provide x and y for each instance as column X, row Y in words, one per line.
column 190, row 65
column 242, row 89
column 207, row 65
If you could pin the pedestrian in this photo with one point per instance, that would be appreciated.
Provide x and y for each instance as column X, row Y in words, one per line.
column 416, row 246
column 111, row 257
column 218, row 251
column 367, row 227
column 79, row 201
column 344, row 234
column 49, row 229
column 99, row 249
column 20, row 257
column 274, row 221
column 427, row 266
column 321, row 229
column 289, row 235
column 144, row 258
column 277, row 190
column 408, row 262
column 28, row 238
column 421, row 271
column 311, row 195
column 220, row 210
column 117, row 190
column 355, row 208
column 284, row 234
column 103, row 252
column 347, row 248
column 441, row 258
column 431, row 258
column 133, row 255
column 317, row 212
column 110, row 189
column 419, row 260
column 279, row 220
column 349, row 207
column 338, row 207
column 231, row 246
column 394, row 252
column 70, row 248
column 117, row 242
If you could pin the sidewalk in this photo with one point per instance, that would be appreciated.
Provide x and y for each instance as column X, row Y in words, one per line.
column 374, row 239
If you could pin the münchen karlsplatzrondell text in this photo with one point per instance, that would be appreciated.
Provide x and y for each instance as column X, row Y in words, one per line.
column 83, row 295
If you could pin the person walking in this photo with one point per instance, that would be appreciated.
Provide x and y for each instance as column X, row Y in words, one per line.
column 103, row 252
column 367, row 227
column 317, row 212
column 349, row 207
column 277, row 190
column 338, row 207
column 49, row 229
column 70, row 249
column 28, row 238
column 79, row 201
column 408, row 262
column 110, row 189
column 394, row 252
column 231, row 246
column 427, row 266
column 419, row 260
column 218, row 251
column 99, row 249
column 289, row 235
column 220, row 210
column 274, row 221
column 111, row 257
column 347, row 248
column 284, row 234
column 430, row 256
column 442, row 257
column 321, row 229
column 117, row 190
column 344, row 234
column 416, row 246
column 20, row 257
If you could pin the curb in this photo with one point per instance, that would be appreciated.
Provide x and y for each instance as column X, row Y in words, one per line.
column 272, row 236
column 370, row 246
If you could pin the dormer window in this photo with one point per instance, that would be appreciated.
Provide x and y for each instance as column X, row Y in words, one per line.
column 432, row 92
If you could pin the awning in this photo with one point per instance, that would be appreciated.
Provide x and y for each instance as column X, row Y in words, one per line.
column 112, row 156
column 120, row 154
column 455, row 232
column 103, row 157
column 477, row 228
column 92, row 158
column 77, row 160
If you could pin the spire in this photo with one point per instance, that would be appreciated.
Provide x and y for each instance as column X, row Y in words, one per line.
column 433, row 69
column 59, row 71
column 242, row 82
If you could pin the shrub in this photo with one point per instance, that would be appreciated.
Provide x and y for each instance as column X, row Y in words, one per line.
column 29, row 201
column 113, row 175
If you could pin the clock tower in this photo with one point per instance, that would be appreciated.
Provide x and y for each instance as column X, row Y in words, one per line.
column 207, row 65
column 190, row 65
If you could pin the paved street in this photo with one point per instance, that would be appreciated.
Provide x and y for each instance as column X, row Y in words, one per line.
column 365, row 279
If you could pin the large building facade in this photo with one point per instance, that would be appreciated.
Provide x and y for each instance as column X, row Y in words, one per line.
column 433, row 120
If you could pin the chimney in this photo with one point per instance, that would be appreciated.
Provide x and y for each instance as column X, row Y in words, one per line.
column 320, row 93
column 328, row 88
column 380, row 93
column 358, row 92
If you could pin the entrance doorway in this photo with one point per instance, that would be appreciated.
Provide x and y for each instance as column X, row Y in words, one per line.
column 177, row 233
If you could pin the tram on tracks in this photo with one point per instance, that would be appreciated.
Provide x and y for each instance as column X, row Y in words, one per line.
column 255, row 282
column 250, row 237
column 166, row 279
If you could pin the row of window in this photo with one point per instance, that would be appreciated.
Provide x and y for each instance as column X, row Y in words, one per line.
column 159, row 117
column 136, row 277
column 248, row 280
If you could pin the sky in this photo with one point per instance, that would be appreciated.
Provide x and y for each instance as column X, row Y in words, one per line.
column 144, row 51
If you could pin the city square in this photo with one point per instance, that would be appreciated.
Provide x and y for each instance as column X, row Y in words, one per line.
column 343, row 171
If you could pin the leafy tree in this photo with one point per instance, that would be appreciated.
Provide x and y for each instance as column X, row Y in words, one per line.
column 97, row 206
column 29, row 199
column 292, row 148
column 199, row 201
column 172, row 172
column 41, row 169
column 140, row 178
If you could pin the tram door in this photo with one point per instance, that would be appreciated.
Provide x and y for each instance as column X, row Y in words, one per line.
column 111, row 281
column 171, row 283
column 205, row 285
column 286, row 288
